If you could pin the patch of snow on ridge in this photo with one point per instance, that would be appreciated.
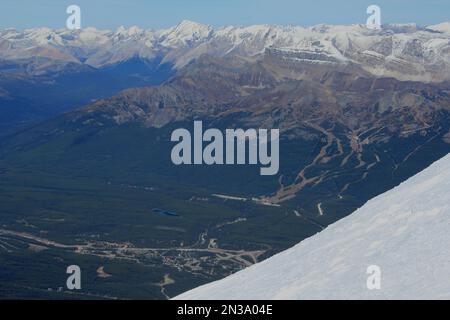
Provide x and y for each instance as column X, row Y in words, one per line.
column 442, row 27
column 425, row 51
column 405, row 232
column 184, row 33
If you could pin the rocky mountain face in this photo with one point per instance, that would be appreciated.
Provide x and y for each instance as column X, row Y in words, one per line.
column 36, row 64
column 279, row 94
column 401, row 51
column 340, row 127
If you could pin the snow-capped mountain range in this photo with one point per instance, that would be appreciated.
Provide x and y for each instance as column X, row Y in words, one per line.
column 401, row 237
column 402, row 51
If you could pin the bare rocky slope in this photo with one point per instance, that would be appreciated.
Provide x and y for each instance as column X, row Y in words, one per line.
column 349, row 125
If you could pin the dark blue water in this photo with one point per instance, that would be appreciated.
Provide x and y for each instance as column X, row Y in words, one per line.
column 165, row 213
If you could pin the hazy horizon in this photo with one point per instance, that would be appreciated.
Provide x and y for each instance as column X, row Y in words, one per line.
column 25, row 14
column 219, row 27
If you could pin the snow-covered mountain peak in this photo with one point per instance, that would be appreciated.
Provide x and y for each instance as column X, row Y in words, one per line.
column 186, row 33
column 442, row 27
column 405, row 51
column 129, row 32
column 90, row 36
column 191, row 26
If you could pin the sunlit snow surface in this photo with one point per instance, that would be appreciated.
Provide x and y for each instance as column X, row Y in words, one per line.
column 403, row 51
column 406, row 232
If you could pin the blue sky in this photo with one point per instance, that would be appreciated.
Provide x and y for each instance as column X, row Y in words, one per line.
column 110, row 14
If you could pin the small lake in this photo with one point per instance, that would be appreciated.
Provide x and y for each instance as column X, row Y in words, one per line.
column 165, row 213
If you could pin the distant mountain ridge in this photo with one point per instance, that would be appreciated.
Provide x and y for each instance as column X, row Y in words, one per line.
column 402, row 51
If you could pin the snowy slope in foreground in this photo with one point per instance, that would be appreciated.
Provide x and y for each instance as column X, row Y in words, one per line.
column 406, row 232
